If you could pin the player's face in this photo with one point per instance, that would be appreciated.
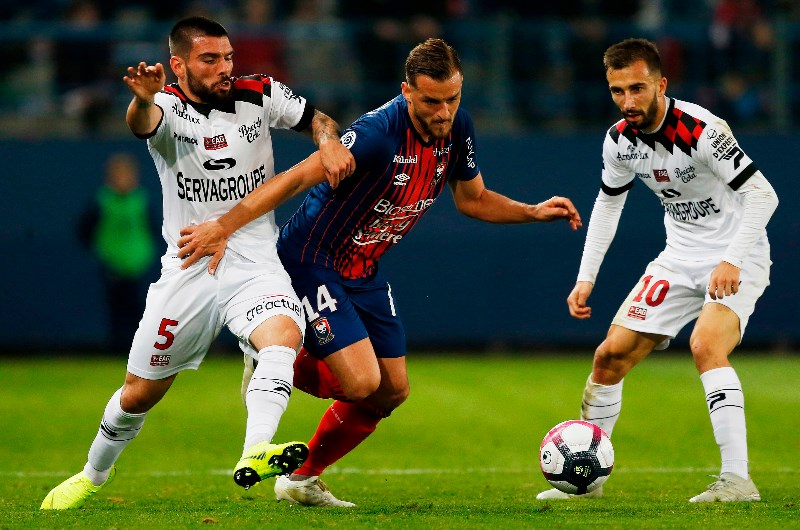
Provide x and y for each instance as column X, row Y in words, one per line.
column 207, row 70
column 433, row 104
column 638, row 94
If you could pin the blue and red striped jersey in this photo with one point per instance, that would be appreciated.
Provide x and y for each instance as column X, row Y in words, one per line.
column 398, row 177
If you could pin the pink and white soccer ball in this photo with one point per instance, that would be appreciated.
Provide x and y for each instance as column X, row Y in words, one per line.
column 576, row 456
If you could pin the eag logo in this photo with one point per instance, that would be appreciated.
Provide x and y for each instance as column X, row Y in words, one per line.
column 661, row 175
column 215, row 142
column 639, row 313
column 159, row 360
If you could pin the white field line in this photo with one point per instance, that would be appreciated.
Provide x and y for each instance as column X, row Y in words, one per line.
column 409, row 471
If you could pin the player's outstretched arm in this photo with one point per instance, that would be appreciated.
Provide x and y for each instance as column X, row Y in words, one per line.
column 576, row 301
column 211, row 238
column 473, row 199
column 337, row 160
column 144, row 82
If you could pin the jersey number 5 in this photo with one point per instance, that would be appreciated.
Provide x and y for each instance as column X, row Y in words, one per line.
column 167, row 334
column 655, row 294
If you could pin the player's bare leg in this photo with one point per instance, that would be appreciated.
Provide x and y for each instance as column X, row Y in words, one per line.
column 714, row 337
column 347, row 424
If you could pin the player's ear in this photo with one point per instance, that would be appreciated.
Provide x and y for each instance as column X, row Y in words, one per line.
column 178, row 66
column 405, row 88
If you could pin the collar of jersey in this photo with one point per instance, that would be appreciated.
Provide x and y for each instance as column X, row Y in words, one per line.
column 202, row 108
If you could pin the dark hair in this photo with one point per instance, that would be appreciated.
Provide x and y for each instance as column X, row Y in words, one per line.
column 188, row 29
column 625, row 53
column 433, row 58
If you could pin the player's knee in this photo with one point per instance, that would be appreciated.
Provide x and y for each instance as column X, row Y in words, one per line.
column 357, row 387
column 279, row 329
column 136, row 401
column 398, row 397
column 706, row 354
column 612, row 361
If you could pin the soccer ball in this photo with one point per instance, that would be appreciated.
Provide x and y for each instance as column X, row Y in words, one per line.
column 576, row 456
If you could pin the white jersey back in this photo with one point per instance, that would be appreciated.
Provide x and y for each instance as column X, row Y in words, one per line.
column 694, row 165
column 209, row 158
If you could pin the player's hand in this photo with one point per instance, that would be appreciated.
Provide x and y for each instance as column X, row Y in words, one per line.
column 337, row 160
column 557, row 208
column 145, row 81
column 196, row 241
column 577, row 300
column 724, row 281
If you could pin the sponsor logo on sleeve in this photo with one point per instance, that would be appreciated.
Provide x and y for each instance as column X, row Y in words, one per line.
column 348, row 139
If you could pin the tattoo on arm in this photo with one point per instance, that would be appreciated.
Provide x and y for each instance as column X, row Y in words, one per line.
column 323, row 128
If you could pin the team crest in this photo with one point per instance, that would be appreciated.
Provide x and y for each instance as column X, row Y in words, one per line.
column 439, row 174
column 322, row 330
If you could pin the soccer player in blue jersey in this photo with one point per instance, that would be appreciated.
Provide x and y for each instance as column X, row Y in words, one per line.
column 406, row 152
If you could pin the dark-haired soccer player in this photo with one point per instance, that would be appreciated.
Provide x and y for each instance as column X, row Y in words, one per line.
column 714, row 268
column 209, row 136
column 406, row 153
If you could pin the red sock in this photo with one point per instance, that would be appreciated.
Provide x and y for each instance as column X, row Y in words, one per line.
column 343, row 426
column 313, row 376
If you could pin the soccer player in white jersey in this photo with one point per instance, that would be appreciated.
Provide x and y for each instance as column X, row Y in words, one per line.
column 714, row 267
column 209, row 136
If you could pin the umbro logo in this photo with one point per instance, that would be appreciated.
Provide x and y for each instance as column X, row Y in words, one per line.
column 400, row 179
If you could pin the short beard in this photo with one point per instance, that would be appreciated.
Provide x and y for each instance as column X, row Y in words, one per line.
column 430, row 132
column 207, row 94
column 649, row 116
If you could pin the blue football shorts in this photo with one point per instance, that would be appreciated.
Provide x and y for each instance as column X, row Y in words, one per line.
column 341, row 311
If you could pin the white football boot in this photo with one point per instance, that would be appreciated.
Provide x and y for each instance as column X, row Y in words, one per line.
column 309, row 492
column 554, row 494
column 729, row 487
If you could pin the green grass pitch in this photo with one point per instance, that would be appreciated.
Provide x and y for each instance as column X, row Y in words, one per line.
column 461, row 453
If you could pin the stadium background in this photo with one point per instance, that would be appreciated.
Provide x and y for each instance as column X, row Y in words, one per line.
column 534, row 84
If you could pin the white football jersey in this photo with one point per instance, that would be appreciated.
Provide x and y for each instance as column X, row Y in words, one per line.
column 694, row 165
column 208, row 159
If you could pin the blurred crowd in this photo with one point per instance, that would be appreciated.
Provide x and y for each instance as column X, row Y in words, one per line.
column 529, row 65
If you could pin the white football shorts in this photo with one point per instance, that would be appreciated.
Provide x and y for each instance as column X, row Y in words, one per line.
column 186, row 309
column 671, row 293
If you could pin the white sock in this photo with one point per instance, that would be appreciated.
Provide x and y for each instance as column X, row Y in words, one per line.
column 117, row 429
column 268, row 393
column 601, row 404
column 725, row 401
